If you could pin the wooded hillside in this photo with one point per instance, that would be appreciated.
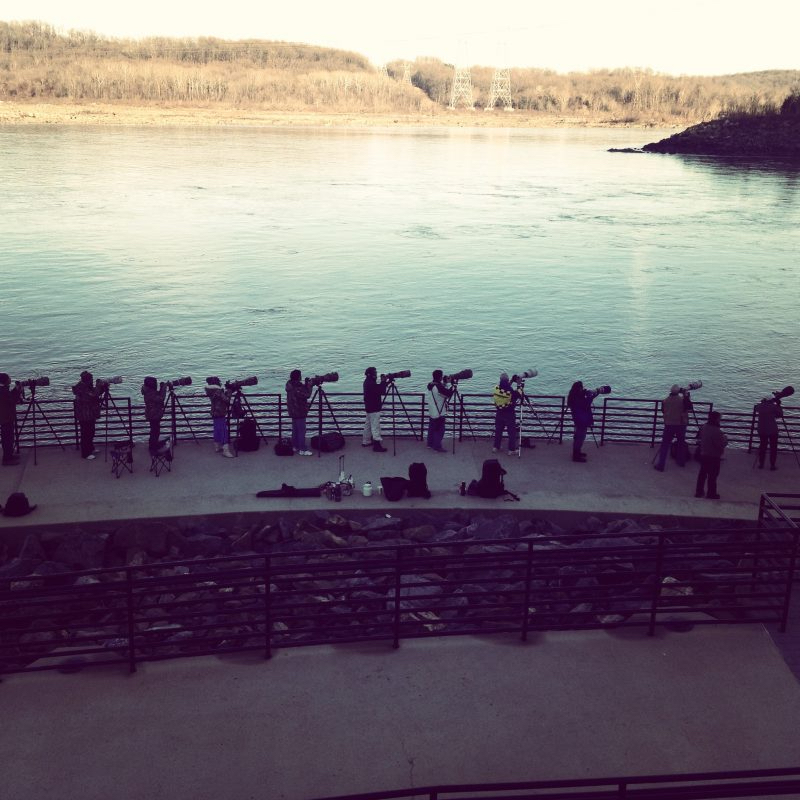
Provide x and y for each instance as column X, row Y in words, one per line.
column 39, row 63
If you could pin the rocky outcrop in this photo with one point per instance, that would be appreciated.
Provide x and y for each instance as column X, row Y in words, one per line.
column 762, row 137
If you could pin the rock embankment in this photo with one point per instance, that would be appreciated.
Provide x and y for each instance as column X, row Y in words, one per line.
column 764, row 137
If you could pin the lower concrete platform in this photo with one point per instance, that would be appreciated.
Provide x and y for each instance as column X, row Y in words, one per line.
column 335, row 720
column 616, row 479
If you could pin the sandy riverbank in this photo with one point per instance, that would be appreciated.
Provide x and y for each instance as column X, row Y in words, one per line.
column 19, row 113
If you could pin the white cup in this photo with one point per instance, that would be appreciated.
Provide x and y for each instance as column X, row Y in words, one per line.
column 366, row 489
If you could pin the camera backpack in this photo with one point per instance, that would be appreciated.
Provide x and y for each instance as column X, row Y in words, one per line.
column 248, row 440
column 283, row 447
column 418, row 480
column 328, row 442
column 491, row 480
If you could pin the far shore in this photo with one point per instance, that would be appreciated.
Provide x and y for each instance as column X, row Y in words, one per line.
column 15, row 113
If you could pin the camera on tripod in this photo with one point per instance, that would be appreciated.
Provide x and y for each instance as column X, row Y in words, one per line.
column 691, row 386
column 104, row 384
column 520, row 377
column 787, row 391
column 391, row 376
column 605, row 389
column 328, row 377
column 179, row 382
column 33, row 383
column 235, row 386
column 464, row 375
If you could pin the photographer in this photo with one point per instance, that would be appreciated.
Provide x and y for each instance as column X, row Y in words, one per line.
column 436, row 400
column 712, row 444
column 579, row 402
column 675, row 409
column 220, row 401
column 374, row 391
column 505, row 399
column 768, row 412
column 9, row 400
column 88, row 402
column 298, row 392
column 154, row 397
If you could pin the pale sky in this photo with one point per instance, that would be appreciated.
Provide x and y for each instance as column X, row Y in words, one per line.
column 699, row 37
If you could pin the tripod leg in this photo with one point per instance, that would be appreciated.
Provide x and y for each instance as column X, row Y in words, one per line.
column 791, row 443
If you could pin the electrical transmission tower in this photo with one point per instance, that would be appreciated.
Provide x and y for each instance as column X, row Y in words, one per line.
column 500, row 90
column 406, row 74
column 462, row 88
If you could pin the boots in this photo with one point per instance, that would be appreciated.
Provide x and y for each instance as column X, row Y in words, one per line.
column 227, row 452
column 377, row 447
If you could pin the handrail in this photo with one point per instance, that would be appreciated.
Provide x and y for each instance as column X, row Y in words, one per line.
column 394, row 592
column 544, row 419
column 680, row 786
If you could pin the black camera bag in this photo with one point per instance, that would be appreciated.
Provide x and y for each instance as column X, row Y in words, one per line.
column 248, row 440
column 328, row 442
column 418, row 480
column 283, row 447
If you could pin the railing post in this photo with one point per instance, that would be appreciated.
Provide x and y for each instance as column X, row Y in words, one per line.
column 657, row 587
column 622, row 789
column 131, row 626
column 655, row 424
column 787, row 599
column 603, row 422
column 527, row 598
column 398, row 583
column 752, row 431
column 267, row 609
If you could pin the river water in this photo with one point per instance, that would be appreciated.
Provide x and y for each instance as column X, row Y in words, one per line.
column 173, row 252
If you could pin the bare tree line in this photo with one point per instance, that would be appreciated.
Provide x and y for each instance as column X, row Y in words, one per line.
column 36, row 61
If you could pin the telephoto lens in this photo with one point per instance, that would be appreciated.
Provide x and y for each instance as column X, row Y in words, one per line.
column 464, row 375
column 521, row 376
column 692, row 385
column 404, row 373
column 328, row 377
column 603, row 389
column 236, row 385
column 181, row 382
column 32, row 383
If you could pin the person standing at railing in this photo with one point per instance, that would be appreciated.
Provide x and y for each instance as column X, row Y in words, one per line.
column 220, row 401
column 675, row 408
column 712, row 444
column 88, row 402
column 506, row 399
column 579, row 403
column 298, row 393
column 154, row 399
column 374, row 390
column 9, row 400
column 768, row 411
column 436, row 400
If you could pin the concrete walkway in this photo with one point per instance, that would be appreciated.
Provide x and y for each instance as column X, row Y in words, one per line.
column 327, row 720
column 617, row 479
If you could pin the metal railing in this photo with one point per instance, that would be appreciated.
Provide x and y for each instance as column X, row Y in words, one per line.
column 159, row 611
column 543, row 418
column 682, row 786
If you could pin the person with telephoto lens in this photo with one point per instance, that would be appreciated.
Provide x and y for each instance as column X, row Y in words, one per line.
column 675, row 409
column 220, row 401
column 712, row 444
column 579, row 403
column 10, row 398
column 374, row 390
column 436, row 400
column 298, row 393
column 154, row 398
column 505, row 398
column 88, row 402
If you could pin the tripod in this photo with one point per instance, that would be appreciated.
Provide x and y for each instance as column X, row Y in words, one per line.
column 32, row 408
column 391, row 390
column 172, row 405
column 107, row 402
column 236, row 410
column 527, row 403
column 457, row 399
column 319, row 397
